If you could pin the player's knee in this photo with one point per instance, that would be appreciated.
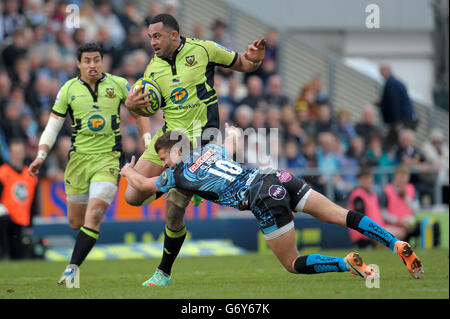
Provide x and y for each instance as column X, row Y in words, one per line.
column 179, row 198
column 75, row 223
column 135, row 198
column 174, row 216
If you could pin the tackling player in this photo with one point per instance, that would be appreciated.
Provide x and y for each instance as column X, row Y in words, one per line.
column 183, row 68
column 92, row 101
column 272, row 197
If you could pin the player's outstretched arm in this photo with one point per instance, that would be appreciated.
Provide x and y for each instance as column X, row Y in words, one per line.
column 46, row 142
column 250, row 60
column 137, row 180
column 143, row 126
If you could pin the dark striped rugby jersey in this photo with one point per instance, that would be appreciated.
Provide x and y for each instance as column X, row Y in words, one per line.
column 210, row 174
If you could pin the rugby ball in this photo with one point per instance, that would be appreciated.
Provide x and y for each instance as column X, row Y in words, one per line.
column 154, row 96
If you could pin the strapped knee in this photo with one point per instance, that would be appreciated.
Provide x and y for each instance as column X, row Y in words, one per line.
column 178, row 198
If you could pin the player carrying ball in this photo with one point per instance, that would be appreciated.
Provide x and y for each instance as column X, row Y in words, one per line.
column 272, row 197
column 183, row 68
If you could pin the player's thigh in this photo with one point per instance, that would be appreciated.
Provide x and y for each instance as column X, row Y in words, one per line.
column 285, row 249
column 325, row 210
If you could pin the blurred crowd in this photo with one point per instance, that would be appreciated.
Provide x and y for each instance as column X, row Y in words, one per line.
column 37, row 56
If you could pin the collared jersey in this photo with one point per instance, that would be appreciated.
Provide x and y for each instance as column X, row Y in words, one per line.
column 187, row 84
column 95, row 114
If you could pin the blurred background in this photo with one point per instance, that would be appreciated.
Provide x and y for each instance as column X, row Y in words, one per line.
column 349, row 85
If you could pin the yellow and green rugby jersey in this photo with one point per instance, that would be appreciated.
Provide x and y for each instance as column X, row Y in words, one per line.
column 187, row 84
column 95, row 114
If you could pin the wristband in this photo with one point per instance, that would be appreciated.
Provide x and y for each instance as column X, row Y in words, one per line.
column 42, row 154
column 256, row 64
column 147, row 137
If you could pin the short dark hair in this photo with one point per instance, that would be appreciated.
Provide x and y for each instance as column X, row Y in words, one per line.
column 167, row 20
column 89, row 47
column 169, row 139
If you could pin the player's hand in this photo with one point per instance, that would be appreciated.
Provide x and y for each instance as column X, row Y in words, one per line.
column 34, row 167
column 135, row 100
column 256, row 51
column 128, row 167
column 232, row 130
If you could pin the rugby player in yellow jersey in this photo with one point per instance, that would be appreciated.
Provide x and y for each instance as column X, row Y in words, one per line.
column 92, row 101
column 184, row 70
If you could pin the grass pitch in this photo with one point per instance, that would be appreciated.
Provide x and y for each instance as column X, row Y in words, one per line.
column 250, row 276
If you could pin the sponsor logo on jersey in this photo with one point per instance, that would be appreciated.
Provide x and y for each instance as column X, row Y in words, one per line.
column 20, row 192
column 284, row 176
column 190, row 60
column 96, row 123
column 277, row 192
column 201, row 160
column 110, row 93
column 179, row 95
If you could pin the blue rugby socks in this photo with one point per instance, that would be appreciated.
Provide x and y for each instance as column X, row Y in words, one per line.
column 369, row 228
column 316, row 264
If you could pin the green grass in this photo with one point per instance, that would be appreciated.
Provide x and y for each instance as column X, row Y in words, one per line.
column 251, row 276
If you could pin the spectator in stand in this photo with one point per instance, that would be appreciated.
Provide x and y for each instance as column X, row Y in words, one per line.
column 436, row 152
column 65, row 43
column 327, row 157
column 399, row 205
column 378, row 157
column 198, row 32
column 5, row 88
column 130, row 18
column 274, row 95
column 14, row 51
column 273, row 120
column 320, row 96
column 34, row 13
column 13, row 19
column 88, row 21
column 39, row 96
column 106, row 18
column 368, row 127
column 254, row 97
column 364, row 200
column 269, row 66
column 345, row 128
column 2, row 26
column 307, row 124
column 11, row 122
column 309, row 159
column 307, row 101
column 243, row 116
column 221, row 36
column 292, row 154
column 410, row 156
column 357, row 151
column 395, row 105
column 325, row 122
column 154, row 9
column 259, row 119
